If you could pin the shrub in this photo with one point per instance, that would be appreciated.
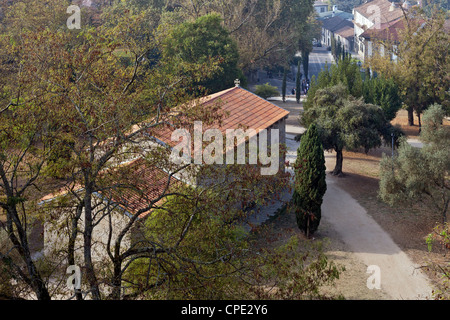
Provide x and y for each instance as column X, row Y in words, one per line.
column 266, row 90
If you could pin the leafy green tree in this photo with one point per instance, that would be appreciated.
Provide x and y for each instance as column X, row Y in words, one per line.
column 217, row 278
column 140, row 5
column 310, row 184
column 345, row 72
column 345, row 122
column 71, row 93
column 266, row 90
column 63, row 88
column 200, row 41
column 416, row 173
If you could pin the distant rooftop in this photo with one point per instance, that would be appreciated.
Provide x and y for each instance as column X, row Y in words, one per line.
column 339, row 25
column 389, row 11
column 336, row 13
column 320, row 3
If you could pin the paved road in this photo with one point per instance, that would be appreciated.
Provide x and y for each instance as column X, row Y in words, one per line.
column 317, row 60
column 400, row 278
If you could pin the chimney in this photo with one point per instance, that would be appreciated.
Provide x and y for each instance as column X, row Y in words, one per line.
column 406, row 4
column 392, row 6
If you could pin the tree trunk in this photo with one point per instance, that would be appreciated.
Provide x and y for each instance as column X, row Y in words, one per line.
column 117, row 280
column 410, row 116
column 307, row 226
column 34, row 278
column 88, row 229
column 71, row 245
column 338, row 167
column 444, row 211
column 420, row 123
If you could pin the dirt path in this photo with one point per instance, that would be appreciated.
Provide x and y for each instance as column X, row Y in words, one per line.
column 361, row 243
column 399, row 276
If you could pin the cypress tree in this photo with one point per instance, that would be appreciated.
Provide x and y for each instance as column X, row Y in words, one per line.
column 310, row 184
column 305, row 61
column 297, row 82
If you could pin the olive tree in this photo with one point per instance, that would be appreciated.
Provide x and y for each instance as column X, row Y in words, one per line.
column 417, row 173
column 345, row 122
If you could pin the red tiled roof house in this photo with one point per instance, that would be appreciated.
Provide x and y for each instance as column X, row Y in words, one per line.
column 136, row 185
column 242, row 110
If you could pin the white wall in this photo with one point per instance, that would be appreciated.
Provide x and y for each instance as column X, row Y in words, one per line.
column 58, row 227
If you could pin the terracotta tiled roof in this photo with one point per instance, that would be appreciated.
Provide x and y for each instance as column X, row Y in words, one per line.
column 387, row 31
column 241, row 108
column 390, row 31
column 136, row 184
column 346, row 32
column 340, row 26
column 132, row 186
column 337, row 23
column 386, row 15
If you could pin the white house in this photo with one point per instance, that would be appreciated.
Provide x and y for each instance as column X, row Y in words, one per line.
column 137, row 183
column 320, row 6
column 374, row 15
column 334, row 12
column 340, row 29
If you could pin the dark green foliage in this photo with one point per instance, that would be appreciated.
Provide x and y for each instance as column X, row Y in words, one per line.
column 266, row 90
column 310, row 184
column 378, row 91
column 336, row 49
column 305, row 61
column 384, row 93
column 345, row 72
column 297, row 82
column 199, row 42
column 346, row 122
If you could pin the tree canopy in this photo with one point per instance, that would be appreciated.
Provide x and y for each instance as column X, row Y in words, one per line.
column 347, row 122
column 417, row 173
column 203, row 40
